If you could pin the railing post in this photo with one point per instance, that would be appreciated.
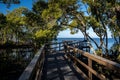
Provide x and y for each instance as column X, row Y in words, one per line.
column 90, row 65
column 59, row 46
column 74, row 54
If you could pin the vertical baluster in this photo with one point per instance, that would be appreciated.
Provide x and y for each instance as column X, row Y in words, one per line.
column 90, row 65
column 59, row 46
column 74, row 53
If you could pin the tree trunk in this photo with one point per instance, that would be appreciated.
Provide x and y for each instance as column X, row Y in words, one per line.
column 106, row 43
column 5, row 37
column 116, row 41
column 106, row 35
column 119, row 39
column 101, row 42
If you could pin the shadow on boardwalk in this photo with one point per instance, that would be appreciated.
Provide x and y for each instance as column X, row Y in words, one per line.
column 58, row 68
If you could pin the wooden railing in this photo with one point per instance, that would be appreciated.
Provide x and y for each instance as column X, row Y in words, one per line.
column 55, row 46
column 89, row 61
column 34, row 70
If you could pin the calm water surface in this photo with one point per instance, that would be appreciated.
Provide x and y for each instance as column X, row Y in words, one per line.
column 110, row 41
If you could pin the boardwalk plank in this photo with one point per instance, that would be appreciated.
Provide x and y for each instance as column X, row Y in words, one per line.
column 58, row 68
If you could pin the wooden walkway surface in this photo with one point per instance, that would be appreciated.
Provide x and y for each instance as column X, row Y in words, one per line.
column 57, row 67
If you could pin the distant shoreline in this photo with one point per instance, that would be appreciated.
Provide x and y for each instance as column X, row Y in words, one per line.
column 82, row 38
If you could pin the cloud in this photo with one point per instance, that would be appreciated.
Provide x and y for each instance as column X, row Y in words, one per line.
column 66, row 34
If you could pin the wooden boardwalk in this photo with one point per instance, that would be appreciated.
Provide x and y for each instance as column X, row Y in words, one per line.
column 57, row 67
column 51, row 63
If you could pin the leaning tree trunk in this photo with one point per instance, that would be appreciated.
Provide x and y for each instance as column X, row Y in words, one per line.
column 91, row 47
column 101, row 42
column 119, row 39
column 106, row 36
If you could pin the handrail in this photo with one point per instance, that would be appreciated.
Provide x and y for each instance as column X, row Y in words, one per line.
column 55, row 45
column 34, row 69
column 90, row 57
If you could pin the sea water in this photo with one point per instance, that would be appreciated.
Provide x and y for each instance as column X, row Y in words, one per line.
column 110, row 41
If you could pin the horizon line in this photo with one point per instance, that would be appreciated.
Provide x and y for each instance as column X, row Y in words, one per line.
column 79, row 37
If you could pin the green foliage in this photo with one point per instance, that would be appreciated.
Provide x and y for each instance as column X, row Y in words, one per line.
column 115, row 47
column 16, row 16
column 42, row 33
column 96, row 25
column 74, row 30
column 73, row 26
column 43, row 36
column 53, row 12
column 118, row 58
column 42, row 20
column 39, row 6
column 93, row 22
column 74, row 23
column 13, row 25
column 51, row 23
column 99, row 52
column 33, row 19
column 114, row 27
column 63, row 3
column 2, row 20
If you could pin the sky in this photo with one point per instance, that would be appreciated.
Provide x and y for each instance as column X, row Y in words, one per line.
column 25, row 3
column 66, row 34
column 62, row 34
